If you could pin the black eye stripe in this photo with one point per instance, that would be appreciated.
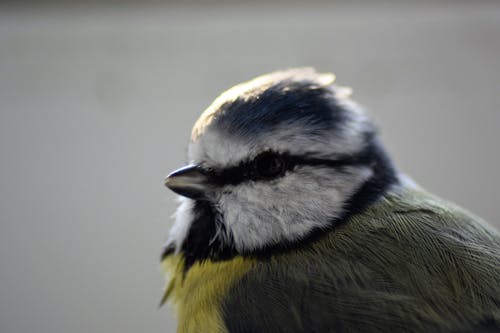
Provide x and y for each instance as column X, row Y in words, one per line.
column 246, row 171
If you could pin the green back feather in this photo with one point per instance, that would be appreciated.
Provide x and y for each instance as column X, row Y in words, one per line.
column 410, row 262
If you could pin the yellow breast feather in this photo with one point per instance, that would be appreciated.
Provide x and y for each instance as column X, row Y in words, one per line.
column 197, row 294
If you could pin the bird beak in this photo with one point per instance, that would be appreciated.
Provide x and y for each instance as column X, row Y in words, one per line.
column 188, row 181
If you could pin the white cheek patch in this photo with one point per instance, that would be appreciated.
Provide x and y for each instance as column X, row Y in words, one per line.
column 265, row 213
column 183, row 220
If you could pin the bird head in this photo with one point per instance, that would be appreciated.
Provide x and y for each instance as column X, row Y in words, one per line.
column 273, row 161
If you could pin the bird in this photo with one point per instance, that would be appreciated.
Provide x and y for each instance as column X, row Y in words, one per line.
column 294, row 218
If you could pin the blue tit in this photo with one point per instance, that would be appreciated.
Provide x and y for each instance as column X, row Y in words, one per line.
column 293, row 218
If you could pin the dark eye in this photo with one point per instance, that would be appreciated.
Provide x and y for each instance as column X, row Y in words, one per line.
column 269, row 165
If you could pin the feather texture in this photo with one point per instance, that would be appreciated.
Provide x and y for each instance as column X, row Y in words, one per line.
column 411, row 262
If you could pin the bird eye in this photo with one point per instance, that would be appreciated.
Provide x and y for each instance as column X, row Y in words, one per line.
column 269, row 165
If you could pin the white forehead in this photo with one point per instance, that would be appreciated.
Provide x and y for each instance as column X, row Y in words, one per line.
column 216, row 148
column 298, row 111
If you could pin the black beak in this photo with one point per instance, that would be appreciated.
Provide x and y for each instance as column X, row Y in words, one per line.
column 188, row 181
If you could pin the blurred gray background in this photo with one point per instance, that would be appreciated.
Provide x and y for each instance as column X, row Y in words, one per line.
column 97, row 102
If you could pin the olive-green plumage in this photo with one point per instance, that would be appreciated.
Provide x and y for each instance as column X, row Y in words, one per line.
column 410, row 262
